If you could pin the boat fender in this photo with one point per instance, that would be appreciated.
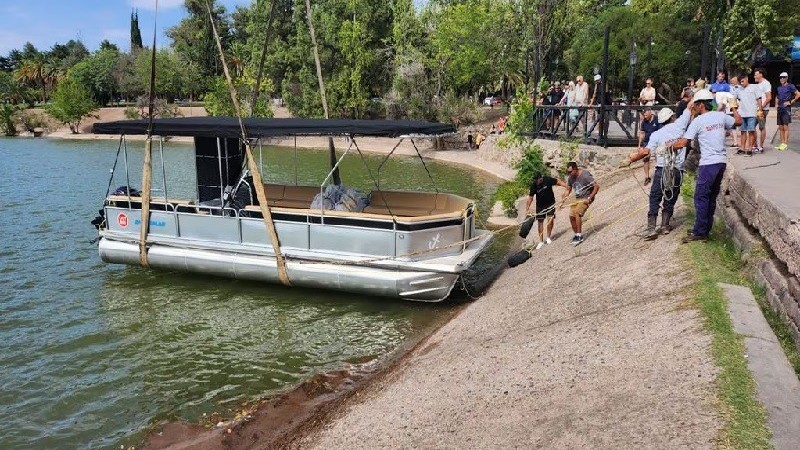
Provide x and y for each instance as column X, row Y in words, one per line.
column 526, row 227
column 519, row 258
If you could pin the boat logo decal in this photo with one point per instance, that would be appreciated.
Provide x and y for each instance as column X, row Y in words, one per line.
column 122, row 220
column 433, row 243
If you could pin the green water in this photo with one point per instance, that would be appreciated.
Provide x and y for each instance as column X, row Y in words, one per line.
column 93, row 353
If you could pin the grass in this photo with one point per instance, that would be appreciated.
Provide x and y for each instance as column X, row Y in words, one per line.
column 713, row 262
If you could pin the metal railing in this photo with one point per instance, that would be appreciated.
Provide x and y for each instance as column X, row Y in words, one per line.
column 620, row 125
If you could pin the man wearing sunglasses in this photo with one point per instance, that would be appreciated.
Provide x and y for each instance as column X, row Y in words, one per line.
column 787, row 94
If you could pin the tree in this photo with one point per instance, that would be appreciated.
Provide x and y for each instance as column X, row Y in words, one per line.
column 97, row 74
column 136, row 33
column 758, row 24
column 218, row 100
column 71, row 103
column 108, row 45
column 193, row 39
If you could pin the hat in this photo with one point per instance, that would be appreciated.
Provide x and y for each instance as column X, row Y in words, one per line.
column 783, row 75
column 558, row 83
column 664, row 115
column 702, row 95
column 597, row 77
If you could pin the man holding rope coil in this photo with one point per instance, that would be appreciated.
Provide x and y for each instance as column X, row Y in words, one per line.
column 708, row 128
column 669, row 169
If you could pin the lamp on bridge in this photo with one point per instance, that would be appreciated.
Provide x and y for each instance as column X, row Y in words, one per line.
column 632, row 59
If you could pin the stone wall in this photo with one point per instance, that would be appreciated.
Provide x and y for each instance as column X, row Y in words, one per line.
column 557, row 153
column 770, row 242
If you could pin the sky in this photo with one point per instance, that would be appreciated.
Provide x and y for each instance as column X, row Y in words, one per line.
column 46, row 22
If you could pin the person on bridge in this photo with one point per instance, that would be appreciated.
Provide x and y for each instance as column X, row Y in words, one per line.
column 787, row 93
column 542, row 189
column 582, row 183
column 647, row 97
column 708, row 129
column 669, row 169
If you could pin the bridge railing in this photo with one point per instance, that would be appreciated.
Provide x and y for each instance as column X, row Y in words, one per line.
column 620, row 123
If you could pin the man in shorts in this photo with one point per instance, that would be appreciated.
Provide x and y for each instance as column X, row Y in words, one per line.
column 582, row 183
column 787, row 94
column 542, row 189
column 760, row 75
column 749, row 107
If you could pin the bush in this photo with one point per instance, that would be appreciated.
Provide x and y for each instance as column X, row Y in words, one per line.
column 71, row 103
column 132, row 113
column 161, row 108
column 530, row 165
column 457, row 110
column 520, row 120
column 31, row 120
column 7, row 115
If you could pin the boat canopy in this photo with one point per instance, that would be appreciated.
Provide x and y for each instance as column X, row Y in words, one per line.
column 228, row 127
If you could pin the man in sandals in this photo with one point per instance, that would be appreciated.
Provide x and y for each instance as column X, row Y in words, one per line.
column 542, row 189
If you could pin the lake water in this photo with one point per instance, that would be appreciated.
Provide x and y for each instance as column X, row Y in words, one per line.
column 93, row 354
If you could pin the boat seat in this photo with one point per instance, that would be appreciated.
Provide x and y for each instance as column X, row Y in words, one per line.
column 405, row 212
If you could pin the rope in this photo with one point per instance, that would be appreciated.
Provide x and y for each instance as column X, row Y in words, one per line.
column 424, row 165
column 266, row 213
column 147, row 168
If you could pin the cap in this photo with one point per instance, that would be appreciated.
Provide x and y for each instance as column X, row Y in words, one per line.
column 783, row 75
column 703, row 94
column 664, row 115
column 597, row 77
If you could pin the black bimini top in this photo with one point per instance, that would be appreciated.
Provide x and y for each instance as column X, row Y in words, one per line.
column 228, row 127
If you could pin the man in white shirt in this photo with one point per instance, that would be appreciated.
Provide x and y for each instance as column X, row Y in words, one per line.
column 708, row 129
column 760, row 75
column 648, row 94
column 749, row 109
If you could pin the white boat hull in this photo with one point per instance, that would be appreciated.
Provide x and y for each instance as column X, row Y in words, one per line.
column 431, row 282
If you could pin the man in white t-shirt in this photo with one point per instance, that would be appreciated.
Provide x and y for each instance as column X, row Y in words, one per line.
column 708, row 129
column 760, row 75
column 749, row 97
column 648, row 94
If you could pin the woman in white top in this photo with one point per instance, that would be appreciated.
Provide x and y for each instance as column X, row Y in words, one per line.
column 570, row 99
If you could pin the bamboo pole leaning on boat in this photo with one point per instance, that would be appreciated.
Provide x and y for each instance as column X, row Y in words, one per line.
column 251, row 162
column 147, row 167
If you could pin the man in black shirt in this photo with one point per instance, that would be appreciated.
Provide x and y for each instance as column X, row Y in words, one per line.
column 542, row 189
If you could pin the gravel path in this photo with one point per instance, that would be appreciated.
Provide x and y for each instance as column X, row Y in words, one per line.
column 587, row 347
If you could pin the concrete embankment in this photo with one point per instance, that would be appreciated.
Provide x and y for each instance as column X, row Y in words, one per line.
column 578, row 347
column 763, row 215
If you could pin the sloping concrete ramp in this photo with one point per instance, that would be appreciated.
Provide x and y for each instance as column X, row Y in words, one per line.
column 777, row 386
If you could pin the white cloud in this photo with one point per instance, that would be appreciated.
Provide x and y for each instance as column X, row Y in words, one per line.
column 151, row 4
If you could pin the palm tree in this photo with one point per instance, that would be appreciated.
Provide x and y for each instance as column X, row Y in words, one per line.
column 31, row 73
column 237, row 58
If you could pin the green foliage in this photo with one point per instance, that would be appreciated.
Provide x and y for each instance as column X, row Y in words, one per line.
column 71, row 103
column 218, row 101
column 458, row 110
column 31, row 120
column 507, row 194
column 132, row 113
column 568, row 151
column 7, row 119
column 97, row 73
column 753, row 24
column 520, row 120
column 193, row 37
column 530, row 165
column 527, row 167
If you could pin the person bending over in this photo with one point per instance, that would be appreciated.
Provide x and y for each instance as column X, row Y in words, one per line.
column 582, row 183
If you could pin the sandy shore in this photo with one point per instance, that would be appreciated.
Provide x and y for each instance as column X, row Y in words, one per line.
column 579, row 347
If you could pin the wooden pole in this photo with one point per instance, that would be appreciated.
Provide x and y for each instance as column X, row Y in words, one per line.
column 283, row 275
column 331, row 147
column 147, row 168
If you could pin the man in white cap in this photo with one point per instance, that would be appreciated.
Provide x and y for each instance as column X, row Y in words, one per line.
column 787, row 94
column 708, row 129
column 669, row 169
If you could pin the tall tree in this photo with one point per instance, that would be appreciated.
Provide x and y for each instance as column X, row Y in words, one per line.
column 136, row 33
column 193, row 38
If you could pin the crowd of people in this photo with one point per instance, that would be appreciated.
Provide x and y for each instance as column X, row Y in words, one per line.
column 705, row 116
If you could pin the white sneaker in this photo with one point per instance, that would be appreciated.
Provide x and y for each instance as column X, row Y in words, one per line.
column 539, row 245
column 548, row 241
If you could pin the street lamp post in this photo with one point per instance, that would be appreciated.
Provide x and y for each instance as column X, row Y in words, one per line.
column 650, row 44
column 633, row 57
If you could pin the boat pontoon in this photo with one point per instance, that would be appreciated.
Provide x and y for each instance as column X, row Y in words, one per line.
column 412, row 245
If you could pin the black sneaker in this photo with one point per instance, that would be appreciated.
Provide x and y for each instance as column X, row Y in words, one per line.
column 694, row 238
column 577, row 240
column 574, row 239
